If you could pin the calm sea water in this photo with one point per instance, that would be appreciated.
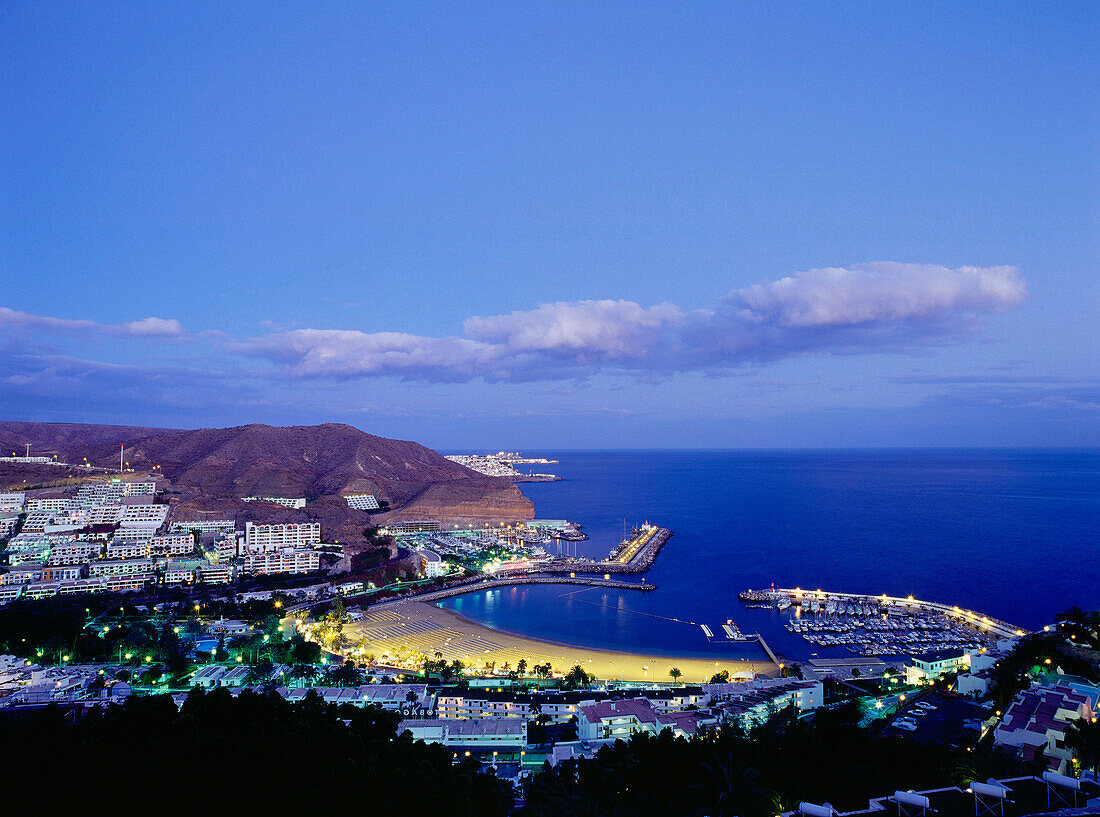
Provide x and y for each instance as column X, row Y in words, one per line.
column 1012, row 534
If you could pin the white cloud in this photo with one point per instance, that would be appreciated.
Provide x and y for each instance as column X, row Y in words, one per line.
column 869, row 307
column 877, row 293
column 865, row 308
column 145, row 328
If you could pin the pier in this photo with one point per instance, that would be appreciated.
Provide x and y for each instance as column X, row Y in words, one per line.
column 636, row 556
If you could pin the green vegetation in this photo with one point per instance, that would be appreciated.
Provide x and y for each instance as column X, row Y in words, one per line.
column 256, row 752
column 763, row 772
column 1035, row 654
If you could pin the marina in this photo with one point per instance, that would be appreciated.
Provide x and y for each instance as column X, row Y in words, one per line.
column 879, row 625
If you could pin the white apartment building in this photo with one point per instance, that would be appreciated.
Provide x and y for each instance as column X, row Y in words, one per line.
column 215, row 574
column 28, row 556
column 226, row 548
column 149, row 517
column 181, row 572
column 10, row 592
column 626, row 717
column 99, row 493
column 37, row 521
column 431, row 565
column 139, row 489
column 288, row 561
column 13, row 502
column 121, row 567
column 41, row 590
column 143, row 535
column 265, row 538
column 363, row 502
column 71, row 588
column 127, row 549
column 287, row 502
column 220, row 527
column 61, row 573
column 7, row 525
column 119, row 584
column 104, row 514
column 755, row 701
column 22, row 574
column 74, row 553
column 52, row 503
column 172, row 544
column 483, row 734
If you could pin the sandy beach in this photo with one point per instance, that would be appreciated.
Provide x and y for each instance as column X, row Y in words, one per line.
column 411, row 628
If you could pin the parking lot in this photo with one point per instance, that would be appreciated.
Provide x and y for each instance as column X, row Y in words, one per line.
column 946, row 724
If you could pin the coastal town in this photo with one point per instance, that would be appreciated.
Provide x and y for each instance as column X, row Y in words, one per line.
column 202, row 603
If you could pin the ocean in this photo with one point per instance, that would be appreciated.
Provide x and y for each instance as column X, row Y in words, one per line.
column 1012, row 534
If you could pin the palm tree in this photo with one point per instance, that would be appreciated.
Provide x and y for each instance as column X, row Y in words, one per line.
column 675, row 674
column 306, row 673
column 1092, row 625
column 1083, row 736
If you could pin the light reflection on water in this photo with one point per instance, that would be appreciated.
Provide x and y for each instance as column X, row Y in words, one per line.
column 899, row 522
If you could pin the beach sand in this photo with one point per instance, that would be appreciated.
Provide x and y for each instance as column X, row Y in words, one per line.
column 411, row 628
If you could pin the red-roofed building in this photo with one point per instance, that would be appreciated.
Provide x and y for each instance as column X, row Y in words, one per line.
column 626, row 717
column 1035, row 724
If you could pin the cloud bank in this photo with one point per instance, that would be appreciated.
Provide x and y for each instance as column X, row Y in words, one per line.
column 144, row 328
column 865, row 308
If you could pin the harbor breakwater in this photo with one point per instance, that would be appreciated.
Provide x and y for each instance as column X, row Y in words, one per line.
column 478, row 585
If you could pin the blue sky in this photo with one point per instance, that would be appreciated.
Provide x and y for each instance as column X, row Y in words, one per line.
column 566, row 225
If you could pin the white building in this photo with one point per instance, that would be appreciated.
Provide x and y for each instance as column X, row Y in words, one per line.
column 139, row 489
column 931, row 666
column 61, row 573
column 625, row 717
column 127, row 583
column 22, row 574
column 183, row 571
column 215, row 574
column 363, row 502
column 431, row 565
column 755, row 701
column 50, row 503
column 120, row 567
column 288, row 502
column 12, row 502
column 127, row 548
column 286, row 561
column 104, row 514
column 479, row 734
column 75, row 553
column 172, row 544
column 100, row 493
column 221, row 527
column 266, row 538
column 144, row 516
column 37, row 521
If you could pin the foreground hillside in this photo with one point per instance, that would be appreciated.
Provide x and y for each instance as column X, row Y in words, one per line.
column 211, row 469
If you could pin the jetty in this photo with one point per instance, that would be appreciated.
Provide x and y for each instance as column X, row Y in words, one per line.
column 478, row 584
column 636, row 555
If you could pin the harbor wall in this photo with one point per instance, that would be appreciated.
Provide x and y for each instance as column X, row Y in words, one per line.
column 992, row 625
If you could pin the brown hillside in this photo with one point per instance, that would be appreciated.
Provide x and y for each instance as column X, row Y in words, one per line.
column 311, row 461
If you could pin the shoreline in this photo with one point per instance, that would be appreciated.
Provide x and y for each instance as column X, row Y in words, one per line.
column 411, row 628
column 564, row 645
